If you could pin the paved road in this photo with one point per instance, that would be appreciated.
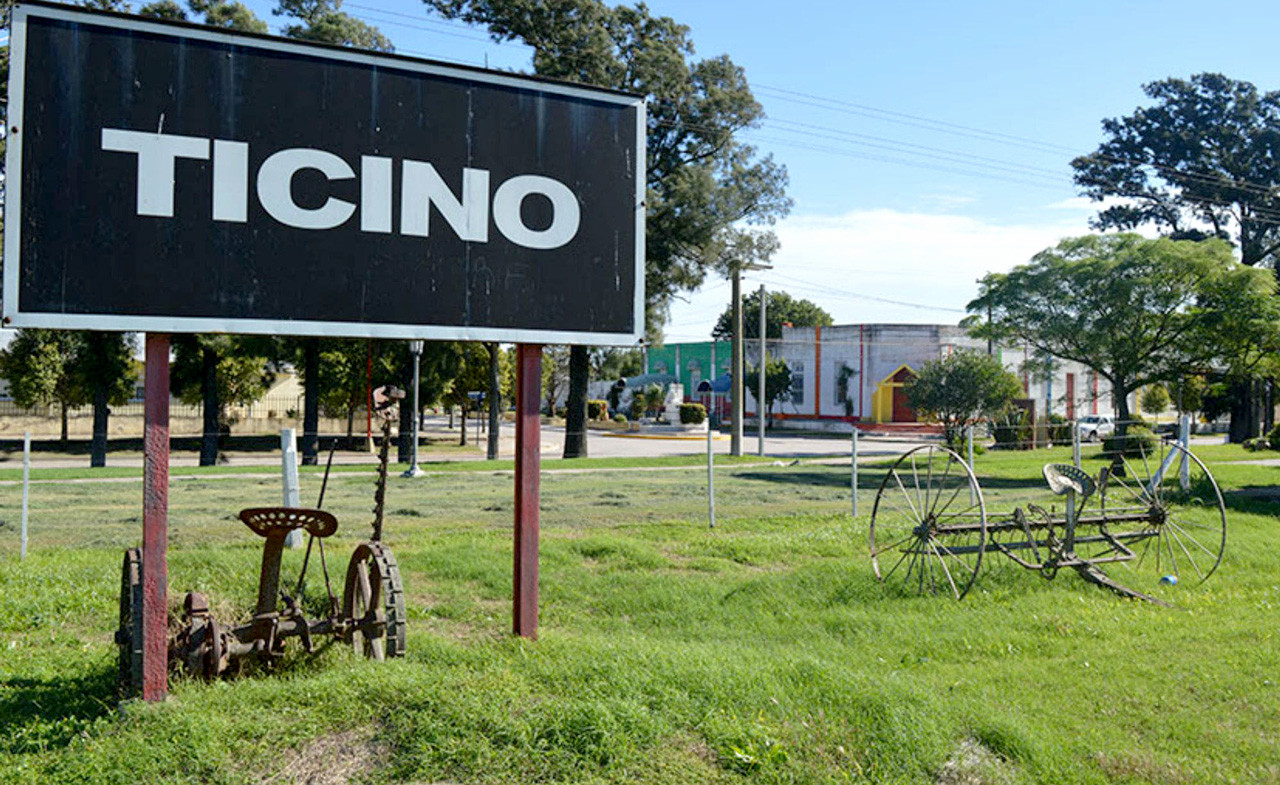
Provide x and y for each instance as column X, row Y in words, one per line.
column 600, row 444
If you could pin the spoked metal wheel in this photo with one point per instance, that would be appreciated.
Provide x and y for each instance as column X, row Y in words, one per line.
column 129, row 633
column 373, row 602
column 929, row 524
column 1167, row 509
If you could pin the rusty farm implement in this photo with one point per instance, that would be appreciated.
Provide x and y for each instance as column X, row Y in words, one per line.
column 369, row 617
column 1157, row 516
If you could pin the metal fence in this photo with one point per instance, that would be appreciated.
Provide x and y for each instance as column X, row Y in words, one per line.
column 269, row 407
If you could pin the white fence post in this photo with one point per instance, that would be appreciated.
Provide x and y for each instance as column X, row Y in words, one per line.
column 26, row 481
column 853, row 470
column 1075, row 443
column 289, row 473
column 1184, row 438
column 711, row 481
column 968, row 438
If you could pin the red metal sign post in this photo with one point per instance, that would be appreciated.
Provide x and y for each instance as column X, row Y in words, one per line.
column 155, row 521
column 528, row 464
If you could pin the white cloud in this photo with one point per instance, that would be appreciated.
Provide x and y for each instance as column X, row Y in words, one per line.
column 850, row 264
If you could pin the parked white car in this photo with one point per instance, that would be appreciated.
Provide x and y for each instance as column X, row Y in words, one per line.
column 1094, row 427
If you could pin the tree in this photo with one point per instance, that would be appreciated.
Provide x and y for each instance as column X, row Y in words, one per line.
column 1204, row 160
column 472, row 377
column 710, row 197
column 1187, row 393
column 780, row 308
column 960, row 390
column 216, row 13
column 439, row 365
column 323, row 21
column 777, row 382
column 575, row 405
column 37, row 364
column 555, row 375
column 216, row 371
column 72, row 368
column 1136, row 311
column 1154, row 399
column 105, row 372
column 494, row 396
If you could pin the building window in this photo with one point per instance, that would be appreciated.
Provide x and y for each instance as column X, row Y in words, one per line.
column 797, row 383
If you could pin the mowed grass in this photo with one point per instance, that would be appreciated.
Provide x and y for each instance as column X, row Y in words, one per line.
column 761, row 651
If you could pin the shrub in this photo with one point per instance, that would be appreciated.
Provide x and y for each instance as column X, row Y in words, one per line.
column 1012, row 430
column 1059, row 429
column 654, row 397
column 1137, row 442
column 1273, row 438
column 620, row 417
column 638, row 406
column 692, row 413
column 597, row 410
column 1258, row 443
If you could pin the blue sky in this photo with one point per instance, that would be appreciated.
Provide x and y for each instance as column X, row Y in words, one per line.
column 927, row 142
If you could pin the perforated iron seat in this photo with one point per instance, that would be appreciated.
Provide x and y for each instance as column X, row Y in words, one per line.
column 268, row 521
column 1064, row 477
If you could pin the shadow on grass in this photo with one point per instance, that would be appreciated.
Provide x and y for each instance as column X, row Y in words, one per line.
column 871, row 480
column 36, row 714
column 1254, row 499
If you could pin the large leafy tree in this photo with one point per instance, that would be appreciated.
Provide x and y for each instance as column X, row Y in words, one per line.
column 72, row 368
column 1203, row 160
column 215, row 13
column 1134, row 310
column 324, row 21
column 960, row 390
column 218, row 371
column 779, row 308
column 710, row 197
column 106, row 373
column 37, row 365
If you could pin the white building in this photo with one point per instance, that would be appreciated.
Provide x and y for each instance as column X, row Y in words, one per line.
column 855, row 373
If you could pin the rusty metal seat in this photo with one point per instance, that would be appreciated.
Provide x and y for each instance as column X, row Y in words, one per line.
column 1064, row 478
column 279, row 521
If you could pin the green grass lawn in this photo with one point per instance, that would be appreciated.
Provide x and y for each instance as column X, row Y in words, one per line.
column 761, row 651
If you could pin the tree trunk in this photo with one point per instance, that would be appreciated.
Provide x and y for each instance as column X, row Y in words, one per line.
column 98, row 449
column 1244, row 423
column 462, row 419
column 575, row 416
column 1269, row 408
column 495, row 400
column 311, row 402
column 212, row 407
column 1120, row 395
column 63, row 404
column 351, row 421
column 404, row 444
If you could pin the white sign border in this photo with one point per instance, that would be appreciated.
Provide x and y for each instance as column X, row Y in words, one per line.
column 13, row 316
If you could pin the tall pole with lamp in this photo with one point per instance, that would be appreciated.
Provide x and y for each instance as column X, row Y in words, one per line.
column 737, row 387
column 760, row 405
column 415, row 348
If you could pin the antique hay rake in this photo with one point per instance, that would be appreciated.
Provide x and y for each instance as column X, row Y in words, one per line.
column 1157, row 517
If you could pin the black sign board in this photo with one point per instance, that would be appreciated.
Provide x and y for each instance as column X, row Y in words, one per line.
column 176, row 178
